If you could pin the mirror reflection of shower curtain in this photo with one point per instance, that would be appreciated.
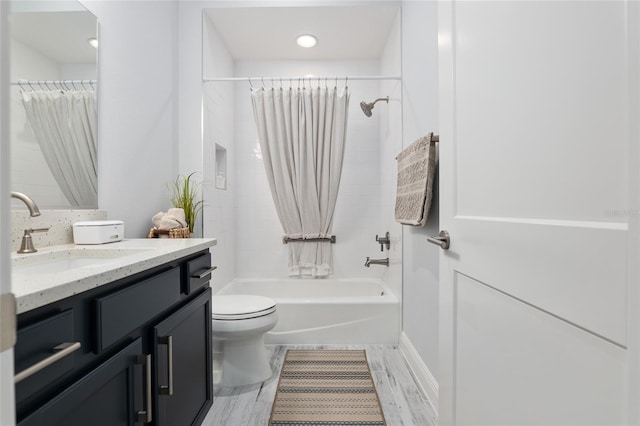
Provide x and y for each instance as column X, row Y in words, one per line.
column 302, row 136
column 65, row 125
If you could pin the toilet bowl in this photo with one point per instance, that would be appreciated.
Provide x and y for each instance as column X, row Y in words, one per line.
column 239, row 323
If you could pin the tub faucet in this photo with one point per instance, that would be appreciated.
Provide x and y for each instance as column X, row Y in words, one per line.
column 370, row 262
column 31, row 205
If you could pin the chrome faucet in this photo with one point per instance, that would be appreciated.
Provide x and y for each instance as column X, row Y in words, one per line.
column 370, row 262
column 27, row 242
column 33, row 208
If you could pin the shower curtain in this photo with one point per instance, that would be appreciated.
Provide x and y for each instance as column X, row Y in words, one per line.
column 65, row 125
column 302, row 137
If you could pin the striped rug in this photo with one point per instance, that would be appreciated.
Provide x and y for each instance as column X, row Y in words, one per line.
column 326, row 387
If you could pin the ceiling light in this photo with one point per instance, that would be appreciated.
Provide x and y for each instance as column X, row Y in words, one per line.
column 93, row 42
column 306, row 40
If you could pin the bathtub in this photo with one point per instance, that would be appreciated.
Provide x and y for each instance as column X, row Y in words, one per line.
column 326, row 311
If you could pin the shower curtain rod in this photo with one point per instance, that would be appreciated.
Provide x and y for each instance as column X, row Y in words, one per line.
column 305, row 78
column 44, row 82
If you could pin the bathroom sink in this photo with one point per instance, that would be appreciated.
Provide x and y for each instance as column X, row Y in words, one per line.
column 48, row 262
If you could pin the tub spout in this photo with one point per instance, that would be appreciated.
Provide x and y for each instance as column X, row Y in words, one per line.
column 370, row 262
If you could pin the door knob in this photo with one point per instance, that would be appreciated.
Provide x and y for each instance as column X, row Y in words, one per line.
column 441, row 240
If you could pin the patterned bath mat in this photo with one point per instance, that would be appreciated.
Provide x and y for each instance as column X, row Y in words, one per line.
column 326, row 387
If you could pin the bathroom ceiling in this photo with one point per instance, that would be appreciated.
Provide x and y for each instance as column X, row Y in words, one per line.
column 268, row 33
column 62, row 36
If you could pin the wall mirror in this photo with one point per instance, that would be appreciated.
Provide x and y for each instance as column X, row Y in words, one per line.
column 53, row 111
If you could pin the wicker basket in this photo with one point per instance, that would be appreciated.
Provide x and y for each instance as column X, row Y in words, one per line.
column 172, row 233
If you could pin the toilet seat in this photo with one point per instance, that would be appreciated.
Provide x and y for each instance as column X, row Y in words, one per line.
column 241, row 307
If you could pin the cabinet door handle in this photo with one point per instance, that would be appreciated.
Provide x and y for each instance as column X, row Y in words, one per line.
column 168, row 390
column 146, row 416
column 59, row 352
column 204, row 272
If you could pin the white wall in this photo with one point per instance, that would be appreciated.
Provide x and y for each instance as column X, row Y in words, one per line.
column 7, row 401
column 218, row 129
column 137, row 129
column 420, row 116
column 390, row 147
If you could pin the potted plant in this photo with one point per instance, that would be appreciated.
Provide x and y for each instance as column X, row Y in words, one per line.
column 184, row 194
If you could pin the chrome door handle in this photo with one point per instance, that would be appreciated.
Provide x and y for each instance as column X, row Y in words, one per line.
column 146, row 416
column 168, row 390
column 59, row 352
column 441, row 240
column 204, row 272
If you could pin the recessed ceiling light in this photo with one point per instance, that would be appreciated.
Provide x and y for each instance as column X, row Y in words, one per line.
column 306, row 40
column 93, row 42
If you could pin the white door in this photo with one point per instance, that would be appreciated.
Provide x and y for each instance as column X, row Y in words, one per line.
column 535, row 193
column 7, row 320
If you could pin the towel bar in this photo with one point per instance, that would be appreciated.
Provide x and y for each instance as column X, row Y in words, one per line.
column 331, row 239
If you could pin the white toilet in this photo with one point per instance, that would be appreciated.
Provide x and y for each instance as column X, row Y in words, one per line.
column 239, row 324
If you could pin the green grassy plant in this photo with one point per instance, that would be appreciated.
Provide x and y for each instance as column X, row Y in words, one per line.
column 184, row 193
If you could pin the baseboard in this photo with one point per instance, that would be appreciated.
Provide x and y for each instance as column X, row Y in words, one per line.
column 426, row 381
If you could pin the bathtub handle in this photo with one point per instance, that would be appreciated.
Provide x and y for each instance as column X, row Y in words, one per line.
column 204, row 272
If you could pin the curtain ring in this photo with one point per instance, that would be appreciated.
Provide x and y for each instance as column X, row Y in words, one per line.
column 262, row 79
column 20, row 84
column 250, row 84
column 346, row 81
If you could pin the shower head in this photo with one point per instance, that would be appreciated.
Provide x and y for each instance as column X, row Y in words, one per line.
column 367, row 107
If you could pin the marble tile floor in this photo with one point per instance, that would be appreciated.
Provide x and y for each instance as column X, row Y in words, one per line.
column 402, row 401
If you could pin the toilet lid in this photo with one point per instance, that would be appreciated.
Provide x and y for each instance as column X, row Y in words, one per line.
column 236, row 307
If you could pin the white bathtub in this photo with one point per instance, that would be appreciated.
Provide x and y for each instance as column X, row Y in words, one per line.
column 338, row 311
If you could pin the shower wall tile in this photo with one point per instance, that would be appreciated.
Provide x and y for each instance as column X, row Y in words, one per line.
column 218, row 129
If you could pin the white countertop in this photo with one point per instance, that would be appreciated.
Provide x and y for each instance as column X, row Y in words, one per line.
column 34, row 288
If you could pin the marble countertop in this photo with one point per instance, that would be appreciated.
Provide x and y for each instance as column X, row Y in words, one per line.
column 104, row 263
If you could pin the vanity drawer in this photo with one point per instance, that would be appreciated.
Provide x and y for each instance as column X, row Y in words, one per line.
column 198, row 272
column 122, row 312
column 40, row 343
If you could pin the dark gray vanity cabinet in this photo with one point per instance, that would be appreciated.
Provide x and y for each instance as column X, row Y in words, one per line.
column 183, row 358
column 106, row 396
column 144, row 353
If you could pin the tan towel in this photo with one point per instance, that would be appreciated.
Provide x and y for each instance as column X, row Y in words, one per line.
column 416, row 171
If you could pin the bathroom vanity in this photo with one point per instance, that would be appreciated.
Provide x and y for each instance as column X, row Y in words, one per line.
column 114, row 335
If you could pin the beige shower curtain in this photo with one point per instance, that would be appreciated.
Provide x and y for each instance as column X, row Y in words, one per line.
column 302, row 137
column 65, row 125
